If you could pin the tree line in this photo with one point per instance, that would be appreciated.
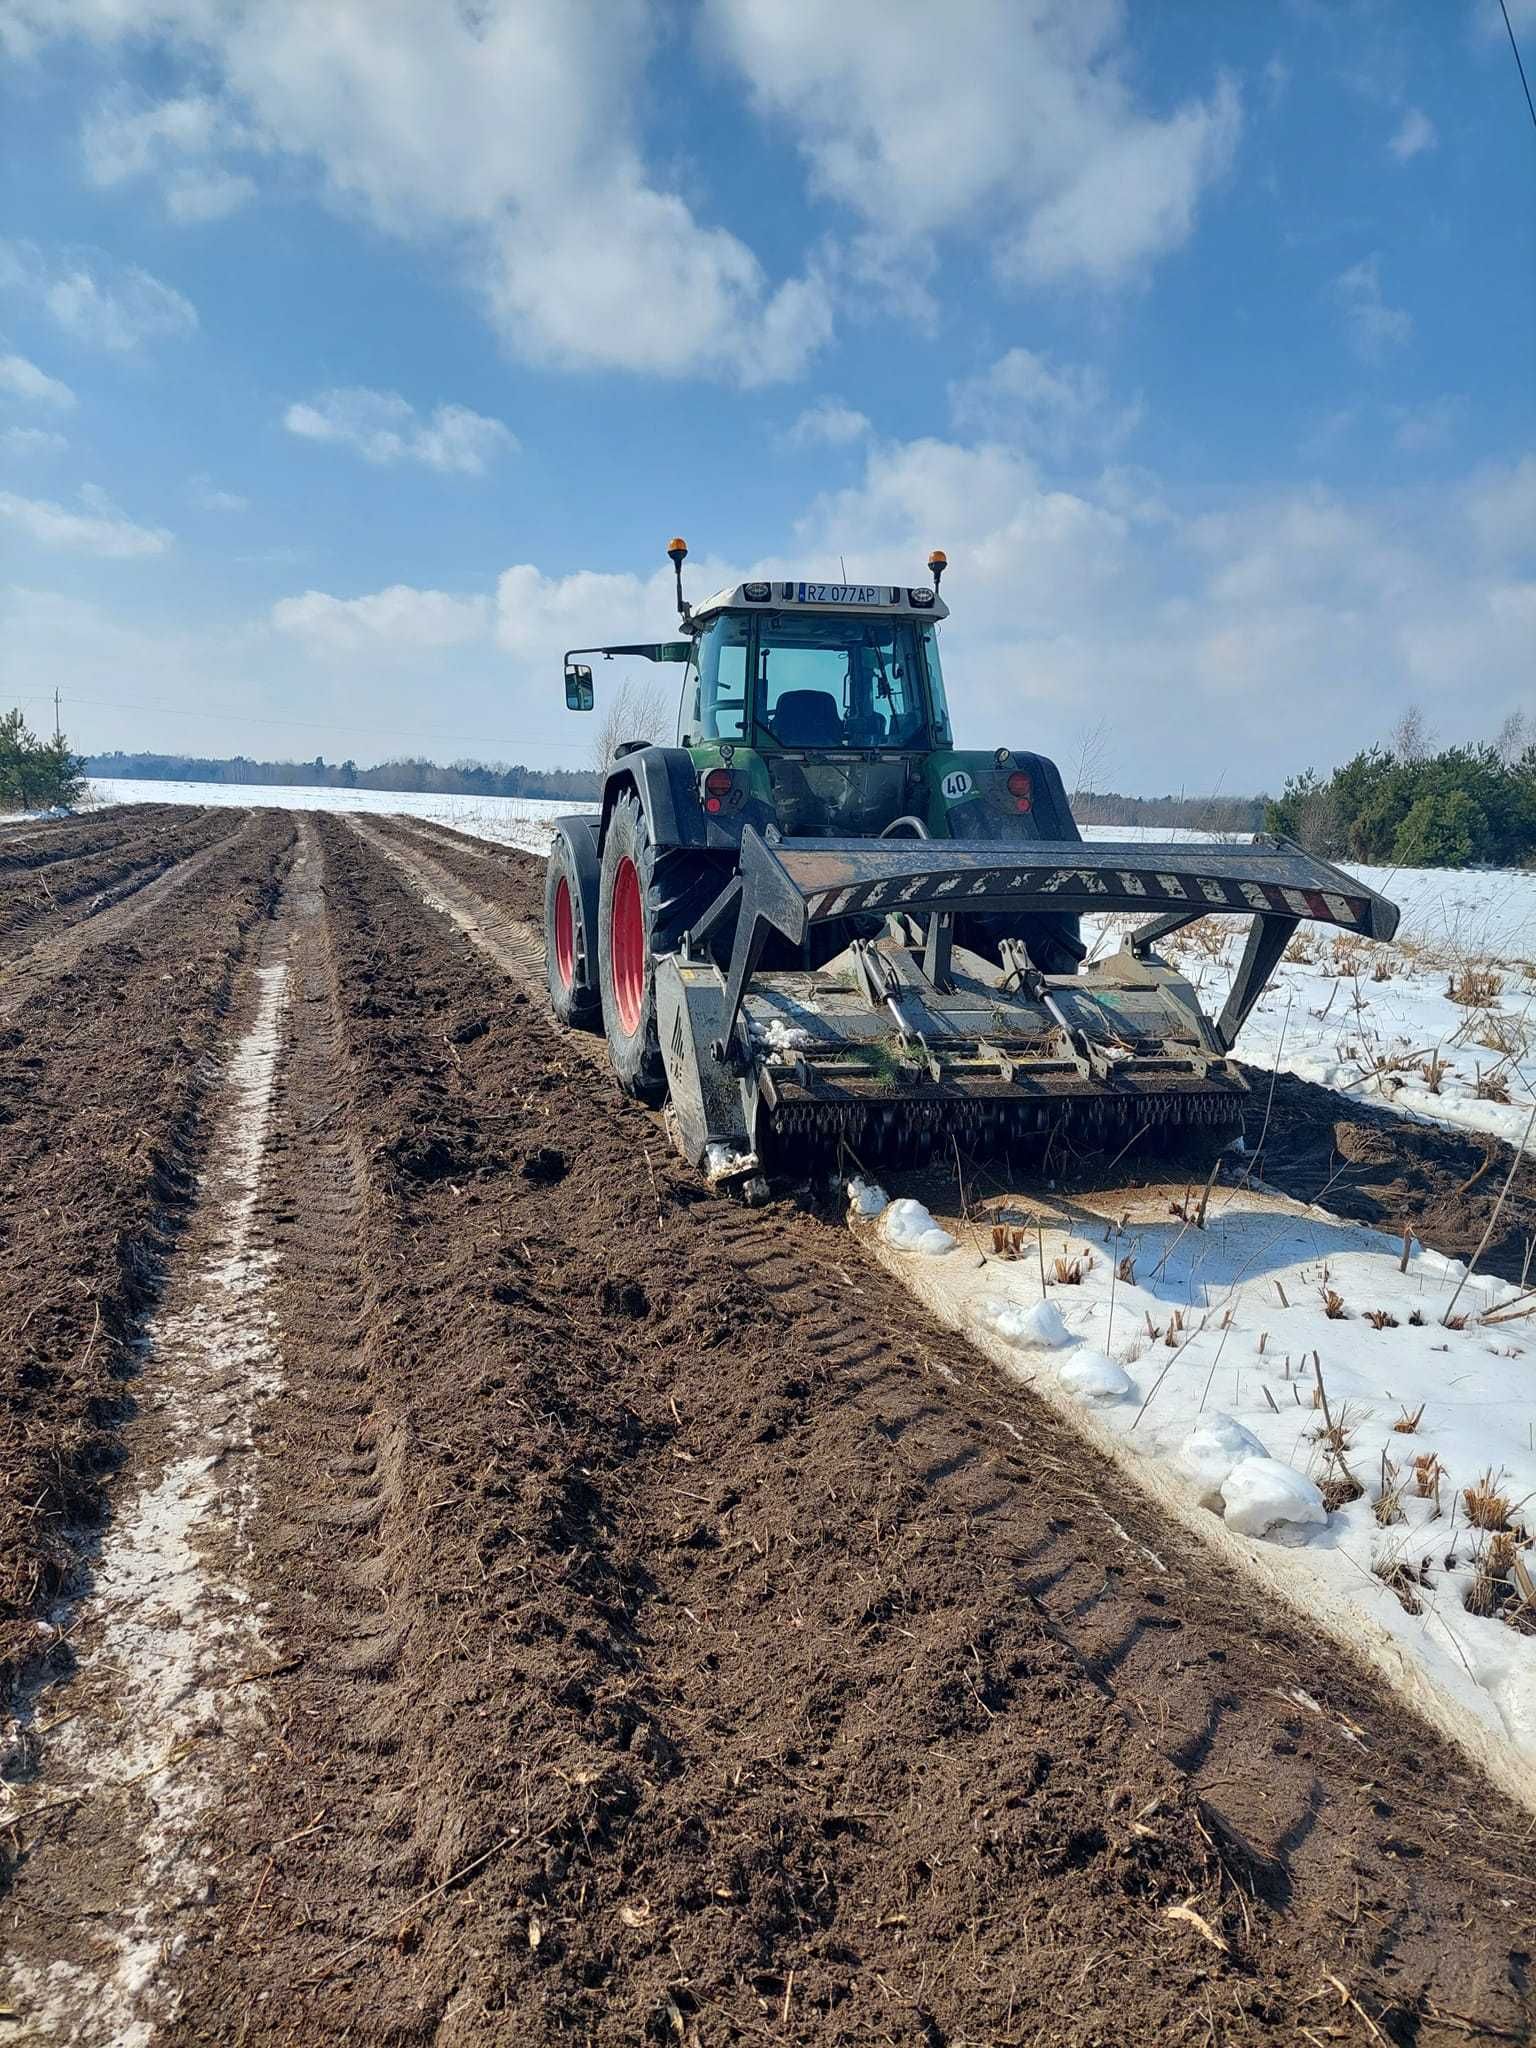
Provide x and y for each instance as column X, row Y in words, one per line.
column 1407, row 805
column 36, row 774
column 409, row 775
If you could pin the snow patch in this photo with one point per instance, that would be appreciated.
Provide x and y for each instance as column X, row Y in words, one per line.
column 866, row 1198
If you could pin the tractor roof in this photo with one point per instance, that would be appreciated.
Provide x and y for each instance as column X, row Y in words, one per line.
column 882, row 598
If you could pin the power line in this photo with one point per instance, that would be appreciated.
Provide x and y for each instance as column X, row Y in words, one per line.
column 1518, row 65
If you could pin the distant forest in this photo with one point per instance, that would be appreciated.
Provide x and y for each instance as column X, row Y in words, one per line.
column 459, row 778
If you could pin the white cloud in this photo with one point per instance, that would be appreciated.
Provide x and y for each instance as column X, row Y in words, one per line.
column 828, row 423
column 100, row 530
column 206, row 495
column 400, row 620
column 1500, row 506
column 384, row 428
column 513, row 131
column 1373, row 326
column 95, row 299
column 1431, row 425
column 1046, row 406
column 21, row 379
column 29, row 442
column 1338, row 609
column 1415, row 133
column 1013, row 121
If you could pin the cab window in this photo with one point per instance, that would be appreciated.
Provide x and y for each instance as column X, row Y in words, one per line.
column 720, row 684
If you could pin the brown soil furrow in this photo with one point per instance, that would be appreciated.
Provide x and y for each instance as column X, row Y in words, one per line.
column 705, row 1645
column 55, row 839
column 71, row 888
column 102, row 1097
column 56, row 953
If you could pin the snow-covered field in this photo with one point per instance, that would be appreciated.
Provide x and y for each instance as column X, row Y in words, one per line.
column 512, row 821
column 1243, row 1367
column 1371, row 1021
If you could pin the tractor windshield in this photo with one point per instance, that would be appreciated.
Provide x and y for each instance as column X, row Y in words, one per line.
column 822, row 680
column 831, row 680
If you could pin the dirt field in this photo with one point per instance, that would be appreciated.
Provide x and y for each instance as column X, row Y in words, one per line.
column 464, row 1584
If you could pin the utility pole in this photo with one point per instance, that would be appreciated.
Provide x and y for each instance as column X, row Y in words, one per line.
column 57, row 736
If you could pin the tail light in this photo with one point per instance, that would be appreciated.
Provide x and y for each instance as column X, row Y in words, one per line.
column 718, row 784
column 1021, row 789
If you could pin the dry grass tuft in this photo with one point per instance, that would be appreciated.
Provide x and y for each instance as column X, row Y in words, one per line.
column 1408, row 1422
column 1126, row 1270
column 1381, row 1319
column 1434, row 1070
column 1487, row 1506
column 1333, row 1305
column 1475, row 988
column 1427, row 1469
column 1069, row 1271
column 1388, row 1505
column 1491, row 1087
column 1416, row 1320
column 1007, row 1239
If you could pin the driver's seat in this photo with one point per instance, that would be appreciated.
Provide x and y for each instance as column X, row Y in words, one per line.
column 807, row 718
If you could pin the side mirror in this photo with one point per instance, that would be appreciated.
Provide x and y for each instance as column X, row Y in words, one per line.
column 578, row 686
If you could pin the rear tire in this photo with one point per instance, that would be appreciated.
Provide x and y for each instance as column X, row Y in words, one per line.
column 646, row 902
column 569, row 955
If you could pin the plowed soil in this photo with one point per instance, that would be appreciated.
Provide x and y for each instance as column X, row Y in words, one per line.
column 674, row 1635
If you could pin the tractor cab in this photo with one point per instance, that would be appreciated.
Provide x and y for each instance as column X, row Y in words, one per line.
column 837, row 691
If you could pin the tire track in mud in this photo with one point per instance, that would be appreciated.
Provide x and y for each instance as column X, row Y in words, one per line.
column 57, row 952
column 692, row 1642
column 164, row 1638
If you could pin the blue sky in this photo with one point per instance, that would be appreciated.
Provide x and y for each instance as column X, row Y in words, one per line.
column 356, row 358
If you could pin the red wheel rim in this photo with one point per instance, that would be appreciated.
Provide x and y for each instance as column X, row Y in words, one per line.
column 626, row 945
column 565, row 933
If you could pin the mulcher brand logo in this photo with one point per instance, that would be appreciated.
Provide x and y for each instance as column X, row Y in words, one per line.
column 677, row 1043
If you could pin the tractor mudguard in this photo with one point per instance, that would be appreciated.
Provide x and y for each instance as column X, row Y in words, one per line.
column 666, row 780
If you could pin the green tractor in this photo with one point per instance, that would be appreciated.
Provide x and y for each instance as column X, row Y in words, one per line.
column 817, row 929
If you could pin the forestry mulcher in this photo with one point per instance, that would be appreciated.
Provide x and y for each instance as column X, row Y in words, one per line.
column 823, row 934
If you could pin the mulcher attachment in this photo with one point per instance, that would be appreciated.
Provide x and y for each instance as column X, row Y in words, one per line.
column 904, row 1039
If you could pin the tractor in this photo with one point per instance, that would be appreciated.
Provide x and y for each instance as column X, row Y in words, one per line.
column 816, row 929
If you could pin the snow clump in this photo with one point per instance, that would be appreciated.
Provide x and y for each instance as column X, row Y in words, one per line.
column 911, row 1228
column 1210, row 1451
column 1093, row 1377
column 1026, row 1327
column 866, row 1197
column 1263, row 1497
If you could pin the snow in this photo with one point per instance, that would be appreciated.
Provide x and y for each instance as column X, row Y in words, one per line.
column 910, row 1228
column 1225, row 1372
column 1401, row 1038
column 865, row 1198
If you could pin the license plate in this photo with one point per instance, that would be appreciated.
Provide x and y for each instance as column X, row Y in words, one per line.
column 844, row 593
